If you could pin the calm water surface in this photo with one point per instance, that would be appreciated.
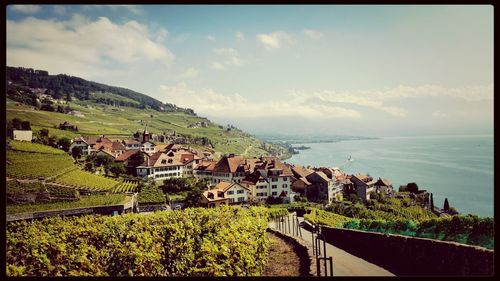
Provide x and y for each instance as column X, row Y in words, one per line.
column 457, row 167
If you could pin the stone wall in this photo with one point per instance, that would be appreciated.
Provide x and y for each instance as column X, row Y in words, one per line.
column 405, row 256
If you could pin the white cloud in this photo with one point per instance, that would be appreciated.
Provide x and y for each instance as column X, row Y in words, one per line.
column 439, row 114
column 239, row 35
column 469, row 93
column 26, row 9
column 211, row 38
column 229, row 56
column 217, row 65
column 188, row 74
column 211, row 103
column 313, row 34
column 273, row 40
column 80, row 46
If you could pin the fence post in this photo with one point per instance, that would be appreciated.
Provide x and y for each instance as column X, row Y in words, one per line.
column 331, row 265
column 318, row 270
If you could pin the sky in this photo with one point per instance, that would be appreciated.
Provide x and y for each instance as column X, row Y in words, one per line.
column 375, row 71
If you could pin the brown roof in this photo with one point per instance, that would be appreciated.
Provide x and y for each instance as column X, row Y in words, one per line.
column 253, row 178
column 110, row 146
column 126, row 155
column 300, row 171
column 383, row 182
column 90, row 140
column 205, row 165
column 224, row 186
column 234, row 164
column 215, row 193
column 269, row 163
column 131, row 141
column 161, row 147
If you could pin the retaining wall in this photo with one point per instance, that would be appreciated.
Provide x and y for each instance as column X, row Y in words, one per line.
column 405, row 256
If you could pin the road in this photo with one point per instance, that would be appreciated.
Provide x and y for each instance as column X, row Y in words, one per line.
column 344, row 263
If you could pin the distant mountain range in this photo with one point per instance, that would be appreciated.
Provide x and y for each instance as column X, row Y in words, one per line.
column 294, row 139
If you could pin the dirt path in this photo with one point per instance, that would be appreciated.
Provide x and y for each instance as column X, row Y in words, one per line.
column 283, row 261
column 344, row 263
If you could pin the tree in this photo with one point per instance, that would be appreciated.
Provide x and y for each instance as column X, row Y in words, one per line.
column 136, row 159
column 117, row 168
column 354, row 198
column 16, row 123
column 44, row 132
column 412, row 187
column 89, row 166
column 193, row 197
column 25, row 125
column 60, row 109
column 432, row 202
column 64, row 143
column 76, row 152
column 103, row 160
column 52, row 141
column 446, row 206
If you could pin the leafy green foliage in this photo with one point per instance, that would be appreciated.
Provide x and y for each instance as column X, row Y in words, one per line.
column 277, row 213
column 126, row 186
column 151, row 194
column 326, row 218
column 223, row 241
column 468, row 229
column 87, row 180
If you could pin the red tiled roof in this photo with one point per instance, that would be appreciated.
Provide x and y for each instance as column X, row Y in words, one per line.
column 126, row 155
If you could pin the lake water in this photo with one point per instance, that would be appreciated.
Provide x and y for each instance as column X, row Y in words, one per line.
column 457, row 167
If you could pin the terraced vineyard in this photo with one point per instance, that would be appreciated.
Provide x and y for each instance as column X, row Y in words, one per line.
column 78, row 178
column 126, row 186
column 30, row 165
column 35, row 147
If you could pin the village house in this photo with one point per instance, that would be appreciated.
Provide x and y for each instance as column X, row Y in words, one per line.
column 163, row 165
column 383, row 186
column 115, row 148
column 225, row 193
column 364, row 185
column 270, row 178
column 204, row 169
column 300, row 184
column 22, row 135
column 88, row 143
column 67, row 126
column 232, row 168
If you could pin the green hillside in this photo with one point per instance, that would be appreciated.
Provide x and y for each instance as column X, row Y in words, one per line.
column 123, row 121
column 44, row 100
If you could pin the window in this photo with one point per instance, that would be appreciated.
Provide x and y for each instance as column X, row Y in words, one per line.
column 230, row 192
column 274, row 179
column 285, row 178
column 240, row 191
column 274, row 193
column 241, row 199
column 285, row 186
column 231, row 200
column 274, row 186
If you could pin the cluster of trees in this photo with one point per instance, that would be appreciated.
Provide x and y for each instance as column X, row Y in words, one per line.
column 62, row 85
column 18, row 124
column 194, row 188
column 107, row 162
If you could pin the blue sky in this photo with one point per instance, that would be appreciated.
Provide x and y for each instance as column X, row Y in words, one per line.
column 328, row 69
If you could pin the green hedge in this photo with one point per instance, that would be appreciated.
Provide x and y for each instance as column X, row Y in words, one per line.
column 223, row 241
column 468, row 229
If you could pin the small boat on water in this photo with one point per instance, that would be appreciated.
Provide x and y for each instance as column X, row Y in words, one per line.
column 350, row 158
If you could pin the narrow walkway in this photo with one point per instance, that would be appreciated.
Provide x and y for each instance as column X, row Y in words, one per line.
column 344, row 263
